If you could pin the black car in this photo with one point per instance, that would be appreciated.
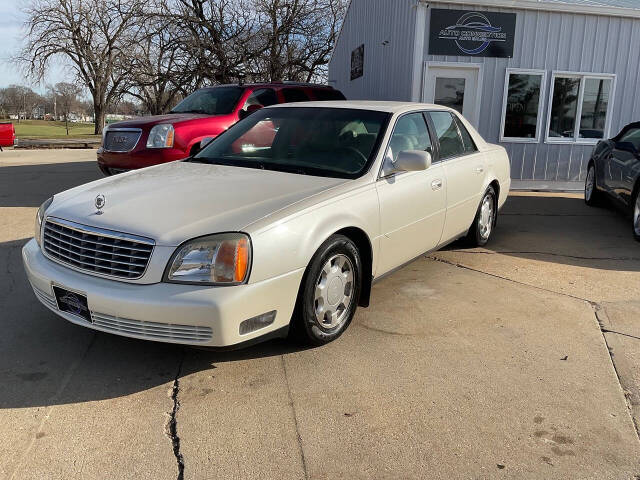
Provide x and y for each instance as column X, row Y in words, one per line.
column 614, row 171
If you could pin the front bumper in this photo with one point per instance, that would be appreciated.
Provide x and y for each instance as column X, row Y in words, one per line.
column 139, row 157
column 166, row 312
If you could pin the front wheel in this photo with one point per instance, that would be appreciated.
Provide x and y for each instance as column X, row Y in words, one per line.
column 591, row 193
column 636, row 215
column 485, row 219
column 329, row 293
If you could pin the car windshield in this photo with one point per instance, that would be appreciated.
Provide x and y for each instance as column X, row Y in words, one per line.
column 330, row 142
column 211, row 101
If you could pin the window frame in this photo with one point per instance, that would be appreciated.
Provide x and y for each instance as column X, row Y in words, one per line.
column 583, row 76
column 260, row 89
column 541, row 103
column 434, row 145
column 455, row 118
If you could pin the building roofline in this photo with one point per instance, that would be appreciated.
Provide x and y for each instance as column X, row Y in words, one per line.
column 547, row 6
column 539, row 5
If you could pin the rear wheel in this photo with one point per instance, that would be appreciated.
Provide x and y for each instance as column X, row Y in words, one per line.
column 485, row 220
column 592, row 196
column 329, row 293
column 636, row 215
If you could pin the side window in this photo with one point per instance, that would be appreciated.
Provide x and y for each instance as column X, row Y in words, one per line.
column 410, row 133
column 263, row 96
column 469, row 144
column 294, row 95
column 322, row 94
column 632, row 136
column 451, row 144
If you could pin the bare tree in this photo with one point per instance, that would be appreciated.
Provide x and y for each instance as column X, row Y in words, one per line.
column 158, row 75
column 94, row 35
column 19, row 100
column 297, row 37
column 217, row 38
column 67, row 99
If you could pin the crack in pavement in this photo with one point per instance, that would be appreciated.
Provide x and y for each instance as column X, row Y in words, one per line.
column 459, row 265
column 171, row 427
column 295, row 419
column 533, row 252
column 600, row 315
column 602, row 319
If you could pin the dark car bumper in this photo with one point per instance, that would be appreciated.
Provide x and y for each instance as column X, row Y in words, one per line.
column 116, row 162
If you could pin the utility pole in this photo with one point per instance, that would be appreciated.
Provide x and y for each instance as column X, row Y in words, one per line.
column 55, row 107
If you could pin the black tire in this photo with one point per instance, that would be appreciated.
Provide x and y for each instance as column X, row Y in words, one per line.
column 592, row 196
column 635, row 214
column 305, row 326
column 477, row 235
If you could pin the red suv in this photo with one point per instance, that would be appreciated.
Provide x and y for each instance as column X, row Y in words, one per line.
column 200, row 117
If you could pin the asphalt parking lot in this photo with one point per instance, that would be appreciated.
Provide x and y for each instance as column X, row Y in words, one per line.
column 519, row 360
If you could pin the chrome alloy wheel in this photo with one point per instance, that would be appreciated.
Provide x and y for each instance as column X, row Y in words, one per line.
column 485, row 222
column 636, row 216
column 589, row 184
column 334, row 291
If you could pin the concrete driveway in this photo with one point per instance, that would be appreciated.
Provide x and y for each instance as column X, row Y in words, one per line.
column 470, row 363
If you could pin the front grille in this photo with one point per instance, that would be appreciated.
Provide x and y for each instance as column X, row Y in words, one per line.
column 95, row 250
column 121, row 140
column 151, row 330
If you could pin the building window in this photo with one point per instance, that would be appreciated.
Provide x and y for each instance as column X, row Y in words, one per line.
column 579, row 107
column 521, row 109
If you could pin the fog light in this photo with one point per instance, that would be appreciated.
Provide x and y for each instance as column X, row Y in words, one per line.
column 256, row 323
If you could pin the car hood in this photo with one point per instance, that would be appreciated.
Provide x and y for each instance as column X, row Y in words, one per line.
column 176, row 201
column 157, row 119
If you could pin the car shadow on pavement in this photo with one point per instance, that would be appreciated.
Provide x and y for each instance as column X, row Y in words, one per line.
column 22, row 185
column 561, row 230
column 49, row 361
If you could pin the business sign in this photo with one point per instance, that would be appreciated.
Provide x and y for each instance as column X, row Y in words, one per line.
column 470, row 33
column 357, row 62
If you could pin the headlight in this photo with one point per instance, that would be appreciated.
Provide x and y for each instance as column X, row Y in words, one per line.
column 40, row 218
column 161, row 136
column 222, row 259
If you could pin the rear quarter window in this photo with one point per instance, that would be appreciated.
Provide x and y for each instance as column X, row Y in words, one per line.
column 327, row 94
column 294, row 95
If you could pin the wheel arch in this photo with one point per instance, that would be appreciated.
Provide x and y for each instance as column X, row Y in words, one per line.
column 363, row 243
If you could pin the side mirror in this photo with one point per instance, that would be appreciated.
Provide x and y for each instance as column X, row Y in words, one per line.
column 250, row 109
column 411, row 161
column 626, row 146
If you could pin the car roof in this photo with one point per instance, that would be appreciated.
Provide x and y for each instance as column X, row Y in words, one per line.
column 380, row 106
column 272, row 85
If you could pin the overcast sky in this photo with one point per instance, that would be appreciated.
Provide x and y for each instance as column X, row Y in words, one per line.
column 11, row 33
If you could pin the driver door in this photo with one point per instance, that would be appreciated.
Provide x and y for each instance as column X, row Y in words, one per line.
column 622, row 163
column 412, row 204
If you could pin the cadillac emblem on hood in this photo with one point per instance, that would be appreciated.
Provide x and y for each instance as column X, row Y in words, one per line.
column 100, row 202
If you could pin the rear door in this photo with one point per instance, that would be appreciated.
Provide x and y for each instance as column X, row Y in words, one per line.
column 464, row 168
column 412, row 204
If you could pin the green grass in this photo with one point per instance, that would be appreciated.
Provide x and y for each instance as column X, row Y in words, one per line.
column 48, row 129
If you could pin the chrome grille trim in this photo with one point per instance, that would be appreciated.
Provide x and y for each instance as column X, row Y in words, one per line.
column 95, row 250
column 48, row 299
column 151, row 330
column 132, row 136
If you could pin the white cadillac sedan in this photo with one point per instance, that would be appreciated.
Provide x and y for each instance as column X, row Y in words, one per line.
column 279, row 226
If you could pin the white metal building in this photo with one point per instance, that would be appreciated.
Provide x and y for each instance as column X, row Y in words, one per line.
column 545, row 79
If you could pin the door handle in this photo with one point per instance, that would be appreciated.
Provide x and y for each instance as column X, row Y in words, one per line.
column 436, row 184
column 479, row 169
